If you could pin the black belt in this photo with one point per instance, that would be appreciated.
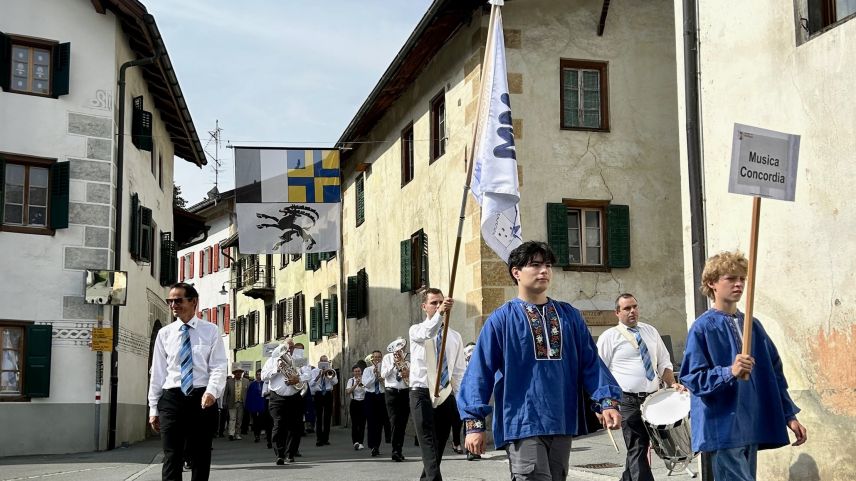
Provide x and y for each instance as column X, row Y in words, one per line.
column 395, row 389
column 193, row 391
column 638, row 395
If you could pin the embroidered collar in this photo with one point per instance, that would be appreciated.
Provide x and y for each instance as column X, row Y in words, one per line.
column 546, row 329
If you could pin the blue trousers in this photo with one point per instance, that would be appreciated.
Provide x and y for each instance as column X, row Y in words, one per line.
column 735, row 464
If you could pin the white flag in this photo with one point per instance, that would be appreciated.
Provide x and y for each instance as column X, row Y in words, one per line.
column 494, row 182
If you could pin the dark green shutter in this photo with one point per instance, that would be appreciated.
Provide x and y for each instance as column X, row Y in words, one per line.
column 406, row 266
column 361, row 201
column 38, row 368
column 334, row 314
column 312, row 323
column 134, row 240
column 137, row 121
column 61, row 69
column 59, row 195
column 423, row 242
column 362, row 293
column 618, row 236
column 168, row 260
column 557, row 232
column 146, row 246
column 328, row 317
column 2, row 185
column 5, row 62
column 352, row 298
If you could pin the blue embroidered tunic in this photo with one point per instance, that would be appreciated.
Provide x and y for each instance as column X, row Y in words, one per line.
column 725, row 411
column 534, row 359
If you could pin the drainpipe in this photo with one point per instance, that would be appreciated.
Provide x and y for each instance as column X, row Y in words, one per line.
column 117, row 237
column 694, row 169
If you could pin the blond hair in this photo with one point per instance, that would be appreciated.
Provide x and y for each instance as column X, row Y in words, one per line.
column 722, row 264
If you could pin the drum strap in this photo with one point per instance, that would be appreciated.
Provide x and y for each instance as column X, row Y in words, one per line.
column 652, row 350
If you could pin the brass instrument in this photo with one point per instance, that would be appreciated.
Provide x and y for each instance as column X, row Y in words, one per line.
column 330, row 373
column 399, row 357
column 368, row 359
column 289, row 367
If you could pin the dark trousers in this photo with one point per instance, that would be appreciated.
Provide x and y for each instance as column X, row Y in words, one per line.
column 286, row 414
column 398, row 408
column 432, row 429
column 357, row 410
column 223, row 422
column 375, row 416
column 183, row 423
column 636, row 467
column 457, row 427
column 261, row 420
column 323, row 416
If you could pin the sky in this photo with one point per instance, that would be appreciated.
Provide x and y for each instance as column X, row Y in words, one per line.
column 276, row 73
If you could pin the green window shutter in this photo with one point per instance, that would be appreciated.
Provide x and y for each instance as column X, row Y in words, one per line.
column 307, row 262
column 406, row 266
column 146, row 142
column 352, row 298
column 362, row 293
column 168, row 260
column 423, row 242
column 38, row 367
column 618, row 235
column 327, row 317
column 61, row 69
column 312, row 323
column 2, row 182
column 5, row 62
column 134, row 240
column 137, row 122
column 557, row 232
column 361, row 201
column 146, row 246
column 59, row 195
column 334, row 314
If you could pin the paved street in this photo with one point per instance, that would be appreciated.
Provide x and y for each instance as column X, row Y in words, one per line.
column 246, row 460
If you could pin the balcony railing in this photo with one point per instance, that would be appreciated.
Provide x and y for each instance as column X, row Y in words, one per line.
column 257, row 281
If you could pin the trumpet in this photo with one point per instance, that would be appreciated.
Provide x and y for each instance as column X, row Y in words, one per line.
column 289, row 367
column 330, row 373
column 399, row 357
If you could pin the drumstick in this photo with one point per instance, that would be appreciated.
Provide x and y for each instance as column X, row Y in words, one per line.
column 611, row 438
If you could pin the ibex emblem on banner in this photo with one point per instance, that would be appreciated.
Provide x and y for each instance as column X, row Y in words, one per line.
column 293, row 223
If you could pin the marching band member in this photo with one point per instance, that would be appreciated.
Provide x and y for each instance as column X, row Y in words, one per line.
column 375, row 401
column 323, row 379
column 286, row 404
column 396, row 374
column 357, row 393
column 543, row 352
column 433, row 415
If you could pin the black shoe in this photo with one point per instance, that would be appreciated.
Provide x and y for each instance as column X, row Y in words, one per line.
column 473, row 457
column 280, row 461
column 319, row 444
column 231, row 438
column 375, row 452
column 397, row 457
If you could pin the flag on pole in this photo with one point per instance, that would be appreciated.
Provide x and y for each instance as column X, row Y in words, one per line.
column 288, row 201
column 494, row 182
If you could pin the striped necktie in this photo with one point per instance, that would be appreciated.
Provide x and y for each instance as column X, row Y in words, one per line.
column 643, row 351
column 444, row 371
column 185, row 357
column 323, row 383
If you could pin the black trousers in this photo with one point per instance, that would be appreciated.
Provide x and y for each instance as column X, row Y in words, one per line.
column 286, row 414
column 261, row 420
column 432, row 429
column 398, row 408
column 323, row 415
column 636, row 467
column 357, row 410
column 185, row 425
column 375, row 416
column 223, row 422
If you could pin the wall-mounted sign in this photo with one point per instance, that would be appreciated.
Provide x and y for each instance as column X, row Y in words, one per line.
column 102, row 339
column 599, row 318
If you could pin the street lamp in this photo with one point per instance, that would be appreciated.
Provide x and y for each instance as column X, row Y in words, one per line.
column 223, row 290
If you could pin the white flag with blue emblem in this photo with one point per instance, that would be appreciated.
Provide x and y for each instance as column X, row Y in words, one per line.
column 494, row 182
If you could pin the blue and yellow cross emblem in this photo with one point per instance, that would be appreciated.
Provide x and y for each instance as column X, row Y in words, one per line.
column 313, row 176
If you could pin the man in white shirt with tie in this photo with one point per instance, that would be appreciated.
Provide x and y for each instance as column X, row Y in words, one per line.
column 375, row 402
column 188, row 375
column 433, row 415
column 638, row 359
column 397, row 398
column 285, row 401
column 321, row 386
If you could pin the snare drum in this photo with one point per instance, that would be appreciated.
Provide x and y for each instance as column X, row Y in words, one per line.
column 665, row 414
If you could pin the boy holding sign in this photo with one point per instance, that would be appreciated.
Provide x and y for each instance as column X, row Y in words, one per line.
column 732, row 419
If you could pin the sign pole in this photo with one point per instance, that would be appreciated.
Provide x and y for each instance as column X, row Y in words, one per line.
column 99, row 378
column 750, row 278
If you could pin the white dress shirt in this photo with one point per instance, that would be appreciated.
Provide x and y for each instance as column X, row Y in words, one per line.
column 276, row 381
column 208, row 355
column 359, row 392
column 390, row 373
column 625, row 362
column 422, row 337
column 369, row 380
column 315, row 385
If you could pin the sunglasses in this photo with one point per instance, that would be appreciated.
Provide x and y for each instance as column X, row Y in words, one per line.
column 177, row 301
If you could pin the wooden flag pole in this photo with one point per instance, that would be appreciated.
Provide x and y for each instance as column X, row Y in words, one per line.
column 750, row 278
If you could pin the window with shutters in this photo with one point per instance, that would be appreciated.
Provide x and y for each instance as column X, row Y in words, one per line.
column 824, row 14
column 438, row 126
column 141, row 126
column 299, row 310
column 316, row 317
column 11, row 361
column 269, row 322
column 33, row 194
column 583, row 95
column 34, row 66
column 153, row 242
column 168, row 260
column 414, row 262
column 589, row 235
column 253, row 329
column 281, row 316
column 25, row 360
column 407, row 162
column 141, row 241
column 284, row 259
column 330, row 325
column 187, row 266
column 361, row 198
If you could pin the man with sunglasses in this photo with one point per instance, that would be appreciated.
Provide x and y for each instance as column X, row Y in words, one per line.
column 188, row 375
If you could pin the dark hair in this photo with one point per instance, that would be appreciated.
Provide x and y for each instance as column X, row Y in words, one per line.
column 626, row 295
column 523, row 254
column 361, row 364
column 189, row 290
column 430, row 290
column 470, row 344
column 377, row 351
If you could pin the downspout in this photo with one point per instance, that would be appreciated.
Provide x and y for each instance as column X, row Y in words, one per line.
column 694, row 170
column 117, row 236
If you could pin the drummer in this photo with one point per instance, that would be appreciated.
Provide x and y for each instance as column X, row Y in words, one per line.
column 637, row 357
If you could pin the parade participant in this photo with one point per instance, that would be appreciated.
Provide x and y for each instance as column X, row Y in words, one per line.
column 356, row 392
column 534, row 354
column 433, row 416
column 468, row 353
column 235, row 398
column 188, row 375
column 732, row 419
column 375, row 402
column 323, row 378
column 286, row 404
column 257, row 406
column 637, row 357
column 396, row 375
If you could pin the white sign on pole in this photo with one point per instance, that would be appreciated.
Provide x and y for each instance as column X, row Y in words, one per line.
column 267, row 349
column 764, row 163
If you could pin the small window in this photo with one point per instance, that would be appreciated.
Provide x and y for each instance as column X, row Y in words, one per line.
column 361, row 200
column 438, row 126
column 585, row 236
column 33, row 194
column 34, row 66
column 283, row 261
column 414, row 262
column 299, row 313
column 160, row 172
column 589, row 235
column 268, row 322
column 253, row 330
column 11, row 360
column 584, row 95
column 823, row 13
column 407, row 155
